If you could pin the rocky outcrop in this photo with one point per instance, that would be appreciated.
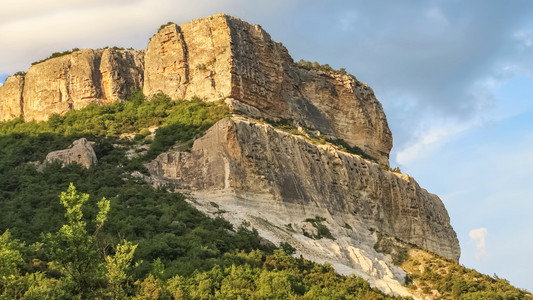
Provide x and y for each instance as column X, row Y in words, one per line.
column 11, row 98
column 224, row 57
column 76, row 80
column 249, row 158
column 81, row 152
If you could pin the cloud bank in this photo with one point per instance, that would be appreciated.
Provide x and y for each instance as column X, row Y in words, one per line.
column 479, row 236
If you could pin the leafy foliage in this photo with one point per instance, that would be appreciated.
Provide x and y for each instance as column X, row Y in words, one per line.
column 136, row 241
column 351, row 149
column 323, row 68
column 393, row 247
column 75, row 266
column 322, row 230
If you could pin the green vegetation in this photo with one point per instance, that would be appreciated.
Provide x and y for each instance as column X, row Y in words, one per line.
column 56, row 54
column 20, row 73
column 165, row 25
column 322, row 230
column 344, row 146
column 323, row 68
column 132, row 241
column 287, row 248
column 393, row 247
column 287, row 125
column 161, row 28
column 129, row 240
column 178, row 121
column 429, row 271
column 71, row 263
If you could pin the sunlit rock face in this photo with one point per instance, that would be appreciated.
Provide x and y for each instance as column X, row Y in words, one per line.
column 251, row 158
column 224, row 57
column 11, row 98
column 72, row 81
column 274, row 181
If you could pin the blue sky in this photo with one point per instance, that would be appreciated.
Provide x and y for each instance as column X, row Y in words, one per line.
column 455, row 79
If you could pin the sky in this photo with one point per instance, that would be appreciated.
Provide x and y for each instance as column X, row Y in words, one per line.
column 455, row 79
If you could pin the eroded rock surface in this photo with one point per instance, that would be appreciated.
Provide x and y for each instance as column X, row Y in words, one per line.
column 11, row 98
column 81, row 152
column 76, row 80
column 249, row 158
column 222, row 56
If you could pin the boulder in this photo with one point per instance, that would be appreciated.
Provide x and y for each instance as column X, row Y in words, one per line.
column 81, row 152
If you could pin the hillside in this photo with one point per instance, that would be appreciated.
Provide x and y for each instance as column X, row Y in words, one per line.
column 212, row 151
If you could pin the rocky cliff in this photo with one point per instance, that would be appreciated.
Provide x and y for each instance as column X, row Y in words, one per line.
column 250, row 158
column 252, row 171
column 11, row 98
column 248, row 171
column 222, row 56
column 72, row 81
column 211, row 58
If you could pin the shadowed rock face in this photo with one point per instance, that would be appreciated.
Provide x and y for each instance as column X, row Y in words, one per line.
column 222, row 56
column 251, row 158
column 81, row 152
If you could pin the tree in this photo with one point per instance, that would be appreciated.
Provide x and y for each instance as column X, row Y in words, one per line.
column 10, row 262
column 72, row 250
column 118, row 269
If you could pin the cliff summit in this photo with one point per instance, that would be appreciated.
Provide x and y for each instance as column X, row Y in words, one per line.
column 211, row 58
column 292, row 185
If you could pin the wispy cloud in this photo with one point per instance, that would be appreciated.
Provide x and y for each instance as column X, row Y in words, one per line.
column 479, row 236
column 525, row 37
column 347, row 20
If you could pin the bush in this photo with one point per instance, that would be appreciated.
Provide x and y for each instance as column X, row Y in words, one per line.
column 56, row 54
column 322, row 230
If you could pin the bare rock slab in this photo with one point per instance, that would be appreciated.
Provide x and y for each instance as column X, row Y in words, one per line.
column 81, row 152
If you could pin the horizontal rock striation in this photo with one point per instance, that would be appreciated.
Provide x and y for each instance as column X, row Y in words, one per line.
column 252, row 158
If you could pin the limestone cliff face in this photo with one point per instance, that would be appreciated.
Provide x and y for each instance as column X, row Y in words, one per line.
column 11, row 98
column 76, row 80
column 222, row 56
column 251, row 158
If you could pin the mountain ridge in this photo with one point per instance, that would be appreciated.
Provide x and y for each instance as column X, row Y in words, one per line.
column 276, row 150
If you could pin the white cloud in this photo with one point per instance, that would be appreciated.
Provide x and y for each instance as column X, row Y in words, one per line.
column 1, row 83
column 347, row 21
column 429, row 139
column 479, row 236
column 525, row 37
column 32, row 30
